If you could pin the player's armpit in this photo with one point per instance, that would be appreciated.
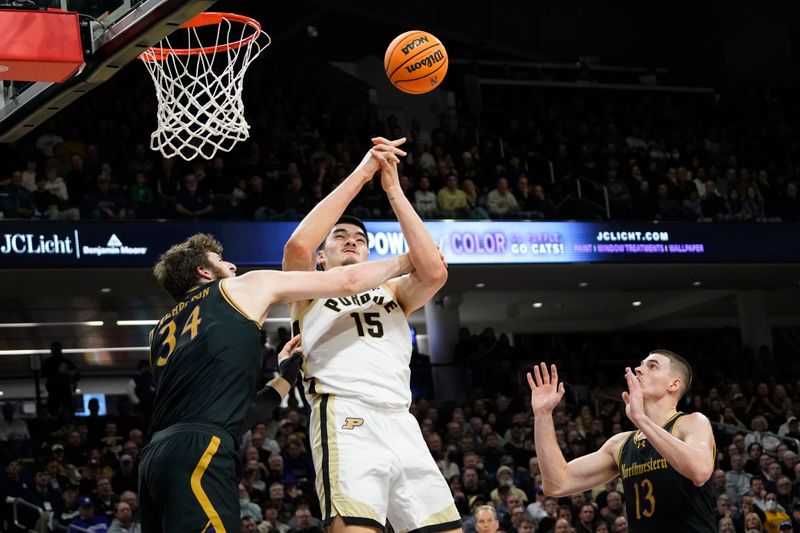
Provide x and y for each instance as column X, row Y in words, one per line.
column 588, row 471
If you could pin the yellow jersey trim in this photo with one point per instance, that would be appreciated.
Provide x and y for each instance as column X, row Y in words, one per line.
column 233, row 304
column 197, row 488
column 622, row 447
column 673, row 417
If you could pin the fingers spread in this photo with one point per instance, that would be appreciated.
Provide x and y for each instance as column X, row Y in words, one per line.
column 531, row 384
column 545, row 374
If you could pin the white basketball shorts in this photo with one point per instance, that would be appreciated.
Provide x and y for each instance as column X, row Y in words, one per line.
column 373, row 464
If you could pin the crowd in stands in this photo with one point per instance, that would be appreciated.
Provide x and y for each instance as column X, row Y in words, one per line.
column 83, row 470
column 659, row 157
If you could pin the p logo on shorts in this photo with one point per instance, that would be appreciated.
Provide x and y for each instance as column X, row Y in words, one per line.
column 351, row 423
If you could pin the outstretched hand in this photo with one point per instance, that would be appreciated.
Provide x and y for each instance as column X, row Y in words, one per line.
column 633, row 398
column 546, row 391
column 382, row 152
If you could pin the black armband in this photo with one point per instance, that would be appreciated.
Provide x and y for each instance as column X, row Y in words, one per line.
column 290, row 367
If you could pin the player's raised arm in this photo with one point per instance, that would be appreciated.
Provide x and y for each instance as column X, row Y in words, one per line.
column 431, row 271
column 560, row 478
column 256, row 291
column 298, row 252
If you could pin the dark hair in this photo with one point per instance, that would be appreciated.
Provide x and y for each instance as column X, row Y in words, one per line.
column 347, row 219
column 344, row 219
column 176, row 268
column 681, row 365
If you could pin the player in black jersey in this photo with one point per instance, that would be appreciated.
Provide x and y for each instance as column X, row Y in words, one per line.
column 665, row 465
column 206, row 355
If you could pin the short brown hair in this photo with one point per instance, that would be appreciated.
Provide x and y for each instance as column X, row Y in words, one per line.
column 681, row 366
column 176, row 270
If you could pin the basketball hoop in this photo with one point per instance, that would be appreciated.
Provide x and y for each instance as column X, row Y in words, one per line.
column 199, row 85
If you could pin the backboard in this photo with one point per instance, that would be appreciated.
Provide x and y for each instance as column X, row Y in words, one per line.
column 113, row 33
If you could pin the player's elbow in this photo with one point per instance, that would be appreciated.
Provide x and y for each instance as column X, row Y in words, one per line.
column 554, row 490
column 296, row 248
column 434, row 276
column 702, row 476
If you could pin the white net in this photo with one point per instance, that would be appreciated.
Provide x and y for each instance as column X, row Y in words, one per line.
column 199, row 85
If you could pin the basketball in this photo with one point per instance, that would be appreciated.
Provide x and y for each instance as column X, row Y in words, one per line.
column 415, row 62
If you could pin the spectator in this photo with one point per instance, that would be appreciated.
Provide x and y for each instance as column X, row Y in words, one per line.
column 141, row 389
column 56, row 184
column 140, row 163
column 615, row 507
column 48, row 139
column 77, row 181
column 192, row 201
column 451, row 200
column 105, row 501
column 249, row 524
column 692, row 206
column 486, row 519
column 725, row 525
column 16, row 201
column 142, row 197
column 61, row 375
column 50, row 206
column 297, row 461
column 713, row 204
column 127, row 477
column 474, row 201
column 124, row 521
column 734, row 203
column 790, row 203
column 42, row 494
column 667, row 207
column 68, row 511
column 586, row 519
column 563, row 525
column 786, row 498
column 541, row 204
column 303, row 522
column 500, row 202
column 759, row 435
column 753, row 205
column 87, row 520
column 271, row 523
column 424, row 199
column 775, row 514
column 12, row 429
column 752, row 522
column 295, row 200
column 737, row 480
column 248, row 508
column 29, row 175
column 524, row 196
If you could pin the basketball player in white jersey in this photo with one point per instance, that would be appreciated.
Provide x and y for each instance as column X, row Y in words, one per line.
column 371, row 461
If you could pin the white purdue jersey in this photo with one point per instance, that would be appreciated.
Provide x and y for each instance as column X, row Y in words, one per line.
column 358, row 347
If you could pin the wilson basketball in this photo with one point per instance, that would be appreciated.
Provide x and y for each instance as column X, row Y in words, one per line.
column 415, row 62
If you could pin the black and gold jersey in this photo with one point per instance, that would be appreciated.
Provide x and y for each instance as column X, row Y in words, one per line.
column 206, row 355
column 658, row 498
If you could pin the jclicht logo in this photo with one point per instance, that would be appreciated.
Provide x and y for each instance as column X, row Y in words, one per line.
column 114, row 246
column 37, row 244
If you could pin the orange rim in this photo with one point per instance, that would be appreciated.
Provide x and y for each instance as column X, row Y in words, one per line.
column 205, row 19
